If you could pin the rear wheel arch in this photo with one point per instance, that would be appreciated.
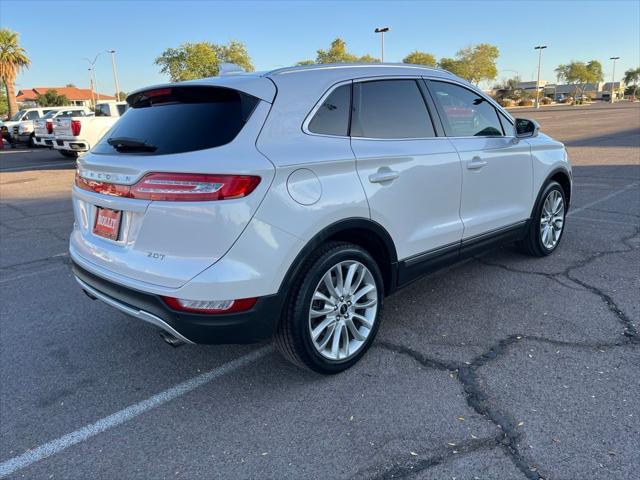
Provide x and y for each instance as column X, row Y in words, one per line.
column 363, row 232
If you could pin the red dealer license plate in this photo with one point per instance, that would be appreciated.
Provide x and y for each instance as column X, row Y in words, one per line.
column 107, row 223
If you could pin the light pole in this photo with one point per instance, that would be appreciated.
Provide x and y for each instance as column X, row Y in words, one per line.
column 613, row 76
column 115, row 75
column 382, row 31
column 539, row 48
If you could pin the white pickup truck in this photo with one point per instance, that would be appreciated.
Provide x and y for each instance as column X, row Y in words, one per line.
column 75, row 135
column 42, row 135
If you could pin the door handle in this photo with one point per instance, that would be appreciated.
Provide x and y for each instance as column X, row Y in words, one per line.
column 383, row 175
column 476, row 163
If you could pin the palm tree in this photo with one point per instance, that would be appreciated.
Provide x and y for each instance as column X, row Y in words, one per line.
column 632, row 77
column 13, row 58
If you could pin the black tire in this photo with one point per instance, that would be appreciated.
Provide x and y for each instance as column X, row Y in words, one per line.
column 30, row 142
column 68, row 154
column 532, row 243
column 292, row 337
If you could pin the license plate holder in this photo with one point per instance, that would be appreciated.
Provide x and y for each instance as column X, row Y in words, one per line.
column 107, row 223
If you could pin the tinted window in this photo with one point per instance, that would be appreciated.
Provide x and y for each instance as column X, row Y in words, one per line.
column 32, row 115
column 390, row 109
column 72, row 113
column 121, row 109
column 51, row 114
column 102, row 110
column 332, row 118
column 17, row 116
column 464, row 113
column 179, row 119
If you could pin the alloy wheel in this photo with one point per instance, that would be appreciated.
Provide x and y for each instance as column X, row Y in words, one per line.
column 552, row 219
column 343, row 310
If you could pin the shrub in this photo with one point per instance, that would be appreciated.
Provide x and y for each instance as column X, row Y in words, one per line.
column 506, row 102
column 525, row 102
column 567, row 100
column 545, row 101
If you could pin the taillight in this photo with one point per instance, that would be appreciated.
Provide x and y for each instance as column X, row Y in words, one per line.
column 76, row 126
column 210, row 306
column 49, row 125
column 177, row 187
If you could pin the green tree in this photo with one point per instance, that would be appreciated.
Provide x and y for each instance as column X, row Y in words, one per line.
column 474, row 63
column 420, row 58
column 13, row 58
column 202, row 59
column 632, row 77
column 337, row 53
column 121, row 96
column 71, row 85
column 52, row 99
column 579, row 74
column 508, row 88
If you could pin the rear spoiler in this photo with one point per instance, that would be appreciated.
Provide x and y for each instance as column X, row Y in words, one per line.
column 259, row 87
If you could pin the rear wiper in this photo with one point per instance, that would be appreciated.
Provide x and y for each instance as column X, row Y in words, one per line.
column 127, row 144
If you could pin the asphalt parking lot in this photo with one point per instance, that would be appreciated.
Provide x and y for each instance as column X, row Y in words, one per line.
column 500, row 367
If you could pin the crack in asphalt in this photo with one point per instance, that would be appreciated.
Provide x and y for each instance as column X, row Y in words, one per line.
column 442, row 456
column 629, row 329
column 467, row 373
column 476, row 399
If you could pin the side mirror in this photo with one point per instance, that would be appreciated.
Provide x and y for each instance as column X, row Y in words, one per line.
column 526, row 128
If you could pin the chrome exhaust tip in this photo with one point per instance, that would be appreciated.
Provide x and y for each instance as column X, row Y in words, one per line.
column 170, row 339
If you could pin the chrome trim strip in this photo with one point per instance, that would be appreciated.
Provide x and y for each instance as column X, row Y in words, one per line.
column 139, row 314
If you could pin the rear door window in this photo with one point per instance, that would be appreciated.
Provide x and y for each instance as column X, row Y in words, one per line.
column 178, row 119
column 332, row 118
column 465, row 113
column 390, row 109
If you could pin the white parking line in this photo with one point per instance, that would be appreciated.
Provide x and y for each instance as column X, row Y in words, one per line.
column 603, row 199
column 55, row 446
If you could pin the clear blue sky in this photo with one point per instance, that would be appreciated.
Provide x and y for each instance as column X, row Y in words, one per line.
column 57, row 35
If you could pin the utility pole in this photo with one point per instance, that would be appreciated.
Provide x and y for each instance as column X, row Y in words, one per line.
column 613, row 76
column 115, row 75
column 93, row 98
column 539, row 48
column 382, row 31
column 92, row 71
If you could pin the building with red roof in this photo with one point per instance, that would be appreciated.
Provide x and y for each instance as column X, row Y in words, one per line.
column 77, row 96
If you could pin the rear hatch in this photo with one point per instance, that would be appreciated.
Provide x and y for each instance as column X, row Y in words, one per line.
column 40, row 127
column 170, row 188
column 62, row 126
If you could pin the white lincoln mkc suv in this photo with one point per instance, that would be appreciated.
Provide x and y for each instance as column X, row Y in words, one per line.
column 288, row 204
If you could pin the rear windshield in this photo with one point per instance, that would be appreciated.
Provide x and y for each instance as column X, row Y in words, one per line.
column 177, row 120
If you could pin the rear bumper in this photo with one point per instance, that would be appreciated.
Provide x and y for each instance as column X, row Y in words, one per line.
column 42, row 142
column 75, row 145
column 251, row 326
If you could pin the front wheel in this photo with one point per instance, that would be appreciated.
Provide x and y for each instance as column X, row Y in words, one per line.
column 547, row 223
column 333, row 314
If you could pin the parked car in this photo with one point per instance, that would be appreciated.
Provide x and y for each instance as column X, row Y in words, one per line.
column 221, row 212
column 77, row 134
column 24, row 117
column 42, row 134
